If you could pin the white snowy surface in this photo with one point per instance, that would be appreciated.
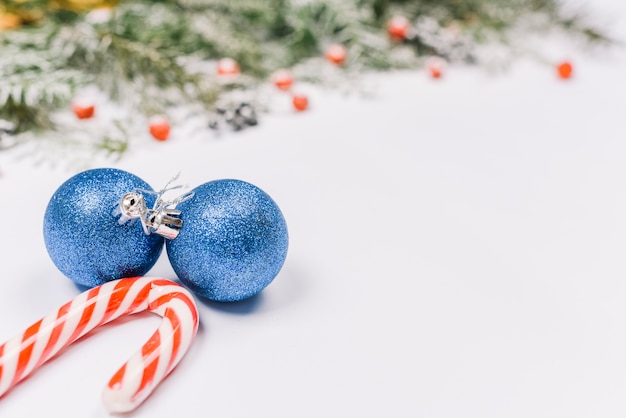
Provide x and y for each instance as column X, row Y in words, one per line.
column 457, row 249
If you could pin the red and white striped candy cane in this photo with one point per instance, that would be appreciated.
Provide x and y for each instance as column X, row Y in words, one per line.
column 136, row 379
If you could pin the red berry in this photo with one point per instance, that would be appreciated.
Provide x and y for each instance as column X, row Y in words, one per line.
column 159, row 128
column 435, row 72
column 300, row 102
column 398, row 28
column 436, row 67
column 83, row 109
column 227, row 66
column 565, row 70
column 336, row 53
column 283, row 79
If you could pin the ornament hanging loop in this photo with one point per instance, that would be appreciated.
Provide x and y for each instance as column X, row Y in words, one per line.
column 162, row 218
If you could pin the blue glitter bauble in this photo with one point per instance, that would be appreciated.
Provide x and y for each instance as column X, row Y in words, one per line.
column 82, row 233
column 233, row 241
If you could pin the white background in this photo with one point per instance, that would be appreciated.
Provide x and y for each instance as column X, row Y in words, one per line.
column 457, row 249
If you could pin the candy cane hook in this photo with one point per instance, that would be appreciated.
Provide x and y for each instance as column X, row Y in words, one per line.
column 140, row 375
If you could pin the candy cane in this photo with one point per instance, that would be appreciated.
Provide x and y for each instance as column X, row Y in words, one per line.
column 140, row 375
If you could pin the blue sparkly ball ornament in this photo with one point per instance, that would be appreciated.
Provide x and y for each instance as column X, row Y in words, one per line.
column 84, row 235
column 232, row 243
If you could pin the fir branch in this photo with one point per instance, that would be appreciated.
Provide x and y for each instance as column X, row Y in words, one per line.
column 34, row 81
column 151, row 55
